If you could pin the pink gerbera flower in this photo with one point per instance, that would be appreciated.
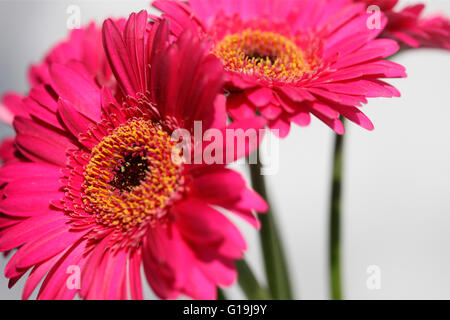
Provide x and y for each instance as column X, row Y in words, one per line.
column 287, row 59
column 83, row 46
column 411, row 29
column 94, row 186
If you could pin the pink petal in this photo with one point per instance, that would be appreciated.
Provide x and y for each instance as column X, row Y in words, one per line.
column 41, row 143
column 75, row 121
column 29, row 229
column 54, row 285
column 162, row 256
column 303, row 119
column 24, row 170
column 199, row 286
column 260, row 97
column 219, row 185
column 280, row 127
column 37, row 274
column 118, row 57
column 134, row 272
column 78, row 88
column 239, row 107
column 48, row 245
column 204, row 226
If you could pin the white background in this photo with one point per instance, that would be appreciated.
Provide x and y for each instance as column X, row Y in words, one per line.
column 397, row 179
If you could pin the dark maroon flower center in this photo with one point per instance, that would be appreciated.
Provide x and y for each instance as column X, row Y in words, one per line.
column 130, row 172
column 259, row 56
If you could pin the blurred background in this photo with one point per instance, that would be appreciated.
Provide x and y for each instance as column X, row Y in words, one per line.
column 396, row 205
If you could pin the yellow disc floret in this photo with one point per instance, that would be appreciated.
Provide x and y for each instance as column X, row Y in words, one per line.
column 131, row 177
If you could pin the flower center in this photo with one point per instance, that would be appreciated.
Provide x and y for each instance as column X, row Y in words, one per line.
column 130, row 177
column 269, row 55
column 130, row 172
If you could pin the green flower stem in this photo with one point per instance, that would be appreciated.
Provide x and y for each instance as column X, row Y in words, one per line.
column 274, row 259
column 249, row 284
column 335, row 221
column 221, row 295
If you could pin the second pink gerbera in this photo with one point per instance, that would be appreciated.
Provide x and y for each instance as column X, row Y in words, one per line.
column 287, row 59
